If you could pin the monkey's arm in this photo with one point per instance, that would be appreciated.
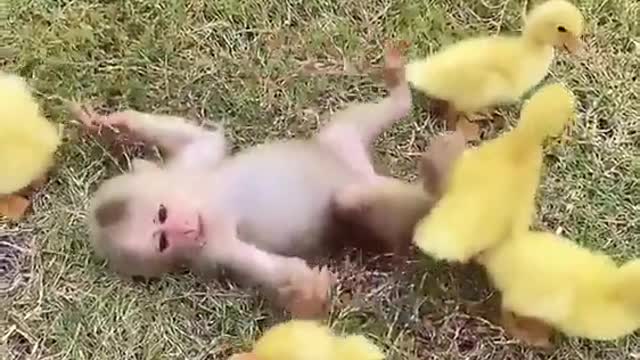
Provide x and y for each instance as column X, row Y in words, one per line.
column 303, row 291
column 186, row 143
column 258, row 266
column 189, row 145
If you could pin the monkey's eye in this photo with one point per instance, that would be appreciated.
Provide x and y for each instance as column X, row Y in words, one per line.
column 162, row 242
column 562, row 29
column 162, row 214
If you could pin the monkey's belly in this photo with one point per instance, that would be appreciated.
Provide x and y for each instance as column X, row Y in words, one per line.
column 283, row 192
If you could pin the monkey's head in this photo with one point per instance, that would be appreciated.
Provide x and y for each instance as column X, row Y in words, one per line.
column 146, row 222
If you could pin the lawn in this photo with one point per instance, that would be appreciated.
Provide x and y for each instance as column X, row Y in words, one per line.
column 270, row 69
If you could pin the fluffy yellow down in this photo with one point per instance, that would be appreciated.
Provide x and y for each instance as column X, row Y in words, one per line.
column 477, row 73
column 580, row 292
column 491, row 190
column 27, row 139
column 308, row 340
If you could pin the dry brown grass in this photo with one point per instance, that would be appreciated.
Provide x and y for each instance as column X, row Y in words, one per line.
column 238, row 61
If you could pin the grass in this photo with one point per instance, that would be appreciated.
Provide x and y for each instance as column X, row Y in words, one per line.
column 246, row 63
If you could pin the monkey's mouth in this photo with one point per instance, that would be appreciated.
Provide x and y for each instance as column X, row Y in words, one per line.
column 200, row 237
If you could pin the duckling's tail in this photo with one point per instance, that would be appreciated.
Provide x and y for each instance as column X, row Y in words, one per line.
column 627, row 285
column 357, row 347
column 547, row 113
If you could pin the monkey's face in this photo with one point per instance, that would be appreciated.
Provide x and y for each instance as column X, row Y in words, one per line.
column 159, row 228
column 166, row 224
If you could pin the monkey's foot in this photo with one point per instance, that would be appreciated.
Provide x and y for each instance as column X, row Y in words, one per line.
column 530, row 331
column 393, row 71
column 451, row 116
column 436, row 107
column 13, row 207
column 308, row 295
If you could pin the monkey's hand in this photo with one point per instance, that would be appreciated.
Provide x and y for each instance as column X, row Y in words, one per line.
column 117, row 125
column 308, row 293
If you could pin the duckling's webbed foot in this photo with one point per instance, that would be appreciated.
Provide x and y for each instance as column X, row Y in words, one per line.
column 485, row 114
column 531, row 331
column 469, row 129
column 13, row 207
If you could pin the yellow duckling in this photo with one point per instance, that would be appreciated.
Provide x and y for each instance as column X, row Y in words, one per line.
column 27, row 144
column 473, row 75
column 308, row 340
column 491, row 190
column 553, row 280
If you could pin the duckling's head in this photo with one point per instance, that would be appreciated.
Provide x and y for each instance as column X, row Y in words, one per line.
column 547, row 113
column 555, row 22
column 293, row 340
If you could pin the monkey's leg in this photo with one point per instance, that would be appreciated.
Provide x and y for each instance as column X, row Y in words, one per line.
column 389, row 208
column 437, row 161
column 351, row 131
column 451, row 116
column 190, row 145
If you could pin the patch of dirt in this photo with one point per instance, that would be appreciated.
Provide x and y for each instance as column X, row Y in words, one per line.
column 12, row 249
column 18, row 347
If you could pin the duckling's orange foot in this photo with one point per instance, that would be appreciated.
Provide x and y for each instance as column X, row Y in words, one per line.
column 497, row 123
column 13, row 207
column 244, row 356
column 485, row 115
column 470, row 130
column 531, row 331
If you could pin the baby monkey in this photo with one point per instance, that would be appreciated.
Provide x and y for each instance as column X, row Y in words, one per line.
column 257, row 214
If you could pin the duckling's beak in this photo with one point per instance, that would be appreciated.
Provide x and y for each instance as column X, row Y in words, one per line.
column 572, row 43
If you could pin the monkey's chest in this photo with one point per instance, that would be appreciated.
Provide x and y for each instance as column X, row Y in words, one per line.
column 283, row 205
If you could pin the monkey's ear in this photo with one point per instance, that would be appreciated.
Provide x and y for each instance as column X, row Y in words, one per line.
column 142, row 165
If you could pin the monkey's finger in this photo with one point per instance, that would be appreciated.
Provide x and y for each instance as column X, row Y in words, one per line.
column 78, row 111
column 90, row 114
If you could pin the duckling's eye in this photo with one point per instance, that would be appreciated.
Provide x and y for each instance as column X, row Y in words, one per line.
column 162, row 214
column 562, row 29
column 162, row 242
